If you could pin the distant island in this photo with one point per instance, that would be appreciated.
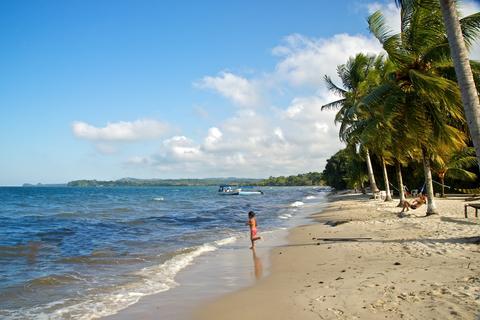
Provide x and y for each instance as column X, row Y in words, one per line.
column 305, row 179
column 44, row 185
column 132, row 182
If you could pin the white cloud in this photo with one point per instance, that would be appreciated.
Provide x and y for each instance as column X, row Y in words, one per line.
column 120, row 131
column 213, row 138
column 390, row 12
column 305, row 60
column 251, row 144
column 180, row 148
column 239, row 90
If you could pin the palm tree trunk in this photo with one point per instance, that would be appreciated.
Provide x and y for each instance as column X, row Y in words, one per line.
column 400, row 183
column 371, row 177
column 463, row 71
column 442, row 181
column 431, row 208
column 385, row 179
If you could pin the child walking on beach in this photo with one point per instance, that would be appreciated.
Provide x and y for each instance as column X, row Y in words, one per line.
column 252, row 223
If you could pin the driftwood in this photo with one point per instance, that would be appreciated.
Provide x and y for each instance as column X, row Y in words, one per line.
column 342, row 239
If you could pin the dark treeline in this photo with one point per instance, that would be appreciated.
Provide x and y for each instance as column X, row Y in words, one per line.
column 347, row 170
column 305, row 179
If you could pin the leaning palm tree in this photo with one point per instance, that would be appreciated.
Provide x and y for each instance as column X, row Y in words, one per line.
column 419, row 94
column 460, row 39
column 352, row 74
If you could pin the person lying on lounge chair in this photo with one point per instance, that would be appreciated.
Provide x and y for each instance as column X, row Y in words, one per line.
column 417, row 202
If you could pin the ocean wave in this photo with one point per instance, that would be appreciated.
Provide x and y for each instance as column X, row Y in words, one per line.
column 108, row 301
column 285, row 216
column 54, row 279
column 297, row 204
column 158, row 199
column 310, row 197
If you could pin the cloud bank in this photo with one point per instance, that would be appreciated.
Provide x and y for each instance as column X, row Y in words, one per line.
column 120, row 131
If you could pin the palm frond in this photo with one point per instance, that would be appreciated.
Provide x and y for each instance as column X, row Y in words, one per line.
column 441, row 90
column 470, row 28
column 333, row 87
column 461, row 174
column 333, row 105
column 378, row 27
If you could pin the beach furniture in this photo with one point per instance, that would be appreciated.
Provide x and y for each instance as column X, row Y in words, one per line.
column 382, row 194
column 473, row 205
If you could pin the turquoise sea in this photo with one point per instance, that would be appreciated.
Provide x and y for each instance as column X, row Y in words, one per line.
column 87, row 252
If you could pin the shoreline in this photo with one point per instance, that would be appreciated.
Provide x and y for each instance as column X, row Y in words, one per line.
column 230, row 268
column 360, row 260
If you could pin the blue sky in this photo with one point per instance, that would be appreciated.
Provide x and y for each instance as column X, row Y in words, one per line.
column 172, row 89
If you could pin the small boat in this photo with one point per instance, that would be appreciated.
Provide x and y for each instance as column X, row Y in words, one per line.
column 248, row 190
column 229, row 190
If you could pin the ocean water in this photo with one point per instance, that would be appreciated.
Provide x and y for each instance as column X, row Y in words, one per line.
column 84, row 253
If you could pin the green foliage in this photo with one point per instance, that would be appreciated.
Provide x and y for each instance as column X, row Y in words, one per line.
column 405, row 105
column 345, row 169
column 306, row 179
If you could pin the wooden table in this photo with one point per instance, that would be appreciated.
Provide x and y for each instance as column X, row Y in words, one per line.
column 473, row 205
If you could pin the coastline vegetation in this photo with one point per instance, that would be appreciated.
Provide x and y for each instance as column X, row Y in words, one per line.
column 404, row 108
column 305, row 179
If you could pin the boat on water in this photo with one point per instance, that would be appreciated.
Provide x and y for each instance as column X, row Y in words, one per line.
column 229, row 190
column 234, row 191
column 248, row 193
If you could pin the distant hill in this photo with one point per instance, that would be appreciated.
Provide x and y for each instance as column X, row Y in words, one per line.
column 44, row 185
column 133, row 182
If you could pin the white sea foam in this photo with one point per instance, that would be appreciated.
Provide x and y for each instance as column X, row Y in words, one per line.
column 225, row 241
column 310, row 197
column 297, row 204
column 158, row 199
column 151, row 280
column 285, row 216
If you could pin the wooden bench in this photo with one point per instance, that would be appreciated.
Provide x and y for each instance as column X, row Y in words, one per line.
column 473, row 205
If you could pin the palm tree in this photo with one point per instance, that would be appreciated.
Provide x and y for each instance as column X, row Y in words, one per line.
column 459, row 53
column 424, row 102
column 459, row 37
column 453, row 165
column 352, row 74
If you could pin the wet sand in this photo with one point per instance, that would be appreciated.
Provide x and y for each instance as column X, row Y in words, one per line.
column 363, row 260
column 213, row 275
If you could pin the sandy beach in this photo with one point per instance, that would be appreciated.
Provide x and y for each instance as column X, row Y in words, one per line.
column 361, row 259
